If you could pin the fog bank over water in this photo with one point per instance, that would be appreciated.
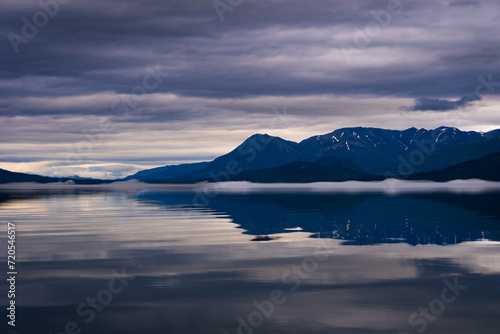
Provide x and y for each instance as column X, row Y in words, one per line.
column 387, row 186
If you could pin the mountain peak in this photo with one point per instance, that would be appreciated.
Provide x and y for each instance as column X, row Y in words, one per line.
column 258, row 140
column 259, row 135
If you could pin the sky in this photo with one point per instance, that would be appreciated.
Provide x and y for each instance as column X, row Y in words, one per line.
column 102, row 88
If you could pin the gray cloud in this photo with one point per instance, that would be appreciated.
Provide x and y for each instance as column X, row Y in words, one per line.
column 464, row 3
column 429, row 104
column 486, row 55
column 262, row 48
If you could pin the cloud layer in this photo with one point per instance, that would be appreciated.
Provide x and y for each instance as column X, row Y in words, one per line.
column 138, row 64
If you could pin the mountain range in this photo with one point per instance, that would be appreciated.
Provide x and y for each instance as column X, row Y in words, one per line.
column 356, row 153
column 344, row 154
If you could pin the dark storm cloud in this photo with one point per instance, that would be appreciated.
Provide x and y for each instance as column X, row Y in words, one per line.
column 262, row 48
column 485, row 56
column 464, row 3
column 428, row 104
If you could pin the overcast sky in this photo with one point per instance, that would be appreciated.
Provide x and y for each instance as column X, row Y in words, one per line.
column 104, row 88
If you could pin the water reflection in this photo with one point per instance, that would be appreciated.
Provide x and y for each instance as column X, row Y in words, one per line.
column 361, row 219
column 197, row 270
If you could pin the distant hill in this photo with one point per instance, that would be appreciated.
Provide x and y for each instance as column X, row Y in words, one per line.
column 167, row 172
column 339, row 162
column 8, row 177
column 485, row 168
column 304, row 172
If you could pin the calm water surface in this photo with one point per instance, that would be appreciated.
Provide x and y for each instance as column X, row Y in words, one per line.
column 152, row 262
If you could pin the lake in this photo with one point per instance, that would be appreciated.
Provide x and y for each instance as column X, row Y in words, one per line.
column 93, row 260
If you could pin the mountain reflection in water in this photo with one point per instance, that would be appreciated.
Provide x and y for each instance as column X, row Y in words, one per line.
column 358, row 219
